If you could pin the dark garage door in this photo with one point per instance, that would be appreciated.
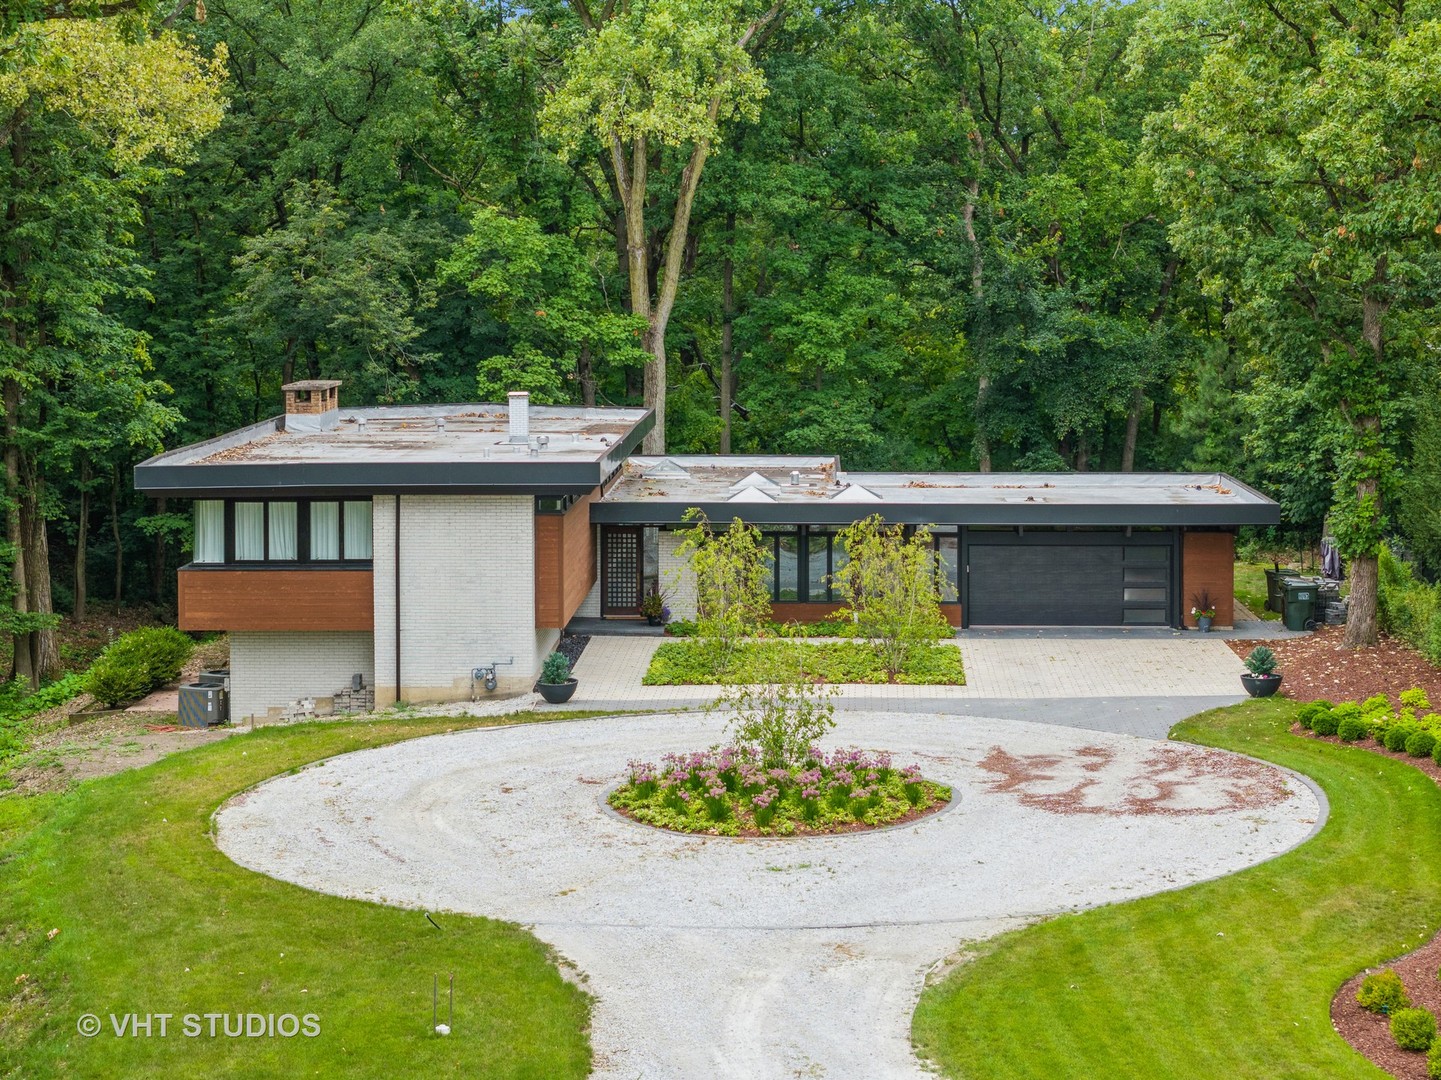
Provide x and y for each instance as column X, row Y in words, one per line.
column 1062, row 584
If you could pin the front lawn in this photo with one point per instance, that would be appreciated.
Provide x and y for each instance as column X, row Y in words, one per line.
column 1250, row 589
column 1231, row 978
column 152, row 918
column 694, row 662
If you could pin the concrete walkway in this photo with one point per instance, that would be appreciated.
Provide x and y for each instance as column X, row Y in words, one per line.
column 764, row 959
column 1133, row 685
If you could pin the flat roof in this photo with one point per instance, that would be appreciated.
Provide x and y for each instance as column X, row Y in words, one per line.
column 815, row 490
column 461, row 449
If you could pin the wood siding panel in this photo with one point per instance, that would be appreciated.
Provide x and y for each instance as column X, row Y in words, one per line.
column 1208, row 564
column 565, row 563
column 792, row 611
column 300, row 599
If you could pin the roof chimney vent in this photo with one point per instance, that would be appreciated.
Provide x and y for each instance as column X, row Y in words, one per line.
column 519, row 416
column 312, row 405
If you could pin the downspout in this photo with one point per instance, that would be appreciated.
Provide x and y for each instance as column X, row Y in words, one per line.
column 398, row 683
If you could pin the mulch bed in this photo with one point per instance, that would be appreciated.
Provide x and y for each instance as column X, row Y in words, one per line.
column 1318, row 667
column 802, row 831
column 1368, row 1033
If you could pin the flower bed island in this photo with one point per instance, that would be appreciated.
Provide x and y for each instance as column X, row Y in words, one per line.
column 730, row 792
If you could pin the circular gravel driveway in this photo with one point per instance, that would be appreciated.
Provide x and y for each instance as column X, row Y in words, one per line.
column 763, row 958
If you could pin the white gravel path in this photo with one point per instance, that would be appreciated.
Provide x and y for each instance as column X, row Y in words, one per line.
column 760, row 958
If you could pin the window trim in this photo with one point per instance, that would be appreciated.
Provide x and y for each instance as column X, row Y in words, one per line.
column 303, row 557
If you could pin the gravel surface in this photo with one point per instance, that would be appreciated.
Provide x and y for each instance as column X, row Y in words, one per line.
column 762, row 958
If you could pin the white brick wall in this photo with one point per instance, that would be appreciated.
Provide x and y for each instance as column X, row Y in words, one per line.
column 676, row 578
column 590, row 606
column 271, row 669
column 467, row 594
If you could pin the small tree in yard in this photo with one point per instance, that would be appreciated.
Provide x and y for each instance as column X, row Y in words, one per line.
column 893, row 588
column 779, row 721
column 732, row 582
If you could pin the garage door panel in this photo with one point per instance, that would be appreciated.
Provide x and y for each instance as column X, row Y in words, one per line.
column 1031, row 584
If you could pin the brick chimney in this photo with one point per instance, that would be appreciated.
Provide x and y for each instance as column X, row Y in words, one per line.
column 312, row 405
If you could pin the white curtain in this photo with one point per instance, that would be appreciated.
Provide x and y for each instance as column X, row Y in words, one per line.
column 282, row 531
column 324, row 530
column 357, row 530
column 249, row 531
column 209, row 531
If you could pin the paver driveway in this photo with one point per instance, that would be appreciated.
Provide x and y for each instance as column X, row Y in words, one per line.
column 763, row 958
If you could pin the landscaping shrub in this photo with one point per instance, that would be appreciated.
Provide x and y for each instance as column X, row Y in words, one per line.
column 1261, row 661
column 1310, row 711
column 1422, row 744
column 1436, row 753
column 1329, row 721
column 1383, row 992
column 1413, row 1029
column 1397, row 734
column 1433, row 1060
column 701, row 662
column 732, row 581
column 136, row 663
column 1415, row 698
column 1408, row 608
column 1352, row 728
column 554, row 669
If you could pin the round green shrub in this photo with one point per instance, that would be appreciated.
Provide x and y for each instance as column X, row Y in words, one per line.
column 136, row 663
column 1310, row 711
column 1433, row 1061
column 1383, row 992
column 1413, row 1029
column 1353, row 728
column 1422, row 744
column 1397, row 734
column 1327, row 723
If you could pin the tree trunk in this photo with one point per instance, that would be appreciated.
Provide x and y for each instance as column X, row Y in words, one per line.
column 82, row 533
column 1361, row 629
column 1361, row 617
column 157, row 559
column 585, row 374
column 728, row 308
column 22, row 660
column 1133, row 430
column 115, row 532
column 44, row 645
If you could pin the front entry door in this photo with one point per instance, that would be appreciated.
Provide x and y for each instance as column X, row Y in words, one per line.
column 620, row 570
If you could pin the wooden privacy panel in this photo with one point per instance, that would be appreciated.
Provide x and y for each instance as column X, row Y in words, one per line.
column 1209, row 564
column 564, row 563
column 294, row 599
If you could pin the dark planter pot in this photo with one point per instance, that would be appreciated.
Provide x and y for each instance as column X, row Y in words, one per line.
column 1260, row 685
column 654, row 620
column 1203, row 624
column 557, row 693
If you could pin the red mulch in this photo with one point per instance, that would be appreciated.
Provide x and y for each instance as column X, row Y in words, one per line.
column 1317, row 667
column 1369, row 1034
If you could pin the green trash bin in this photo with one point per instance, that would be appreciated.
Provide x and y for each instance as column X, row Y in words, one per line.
column 1300, row 603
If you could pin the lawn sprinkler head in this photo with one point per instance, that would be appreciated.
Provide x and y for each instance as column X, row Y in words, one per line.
column 442, row 1029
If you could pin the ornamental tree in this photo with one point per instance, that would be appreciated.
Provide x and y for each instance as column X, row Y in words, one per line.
column 732, row 582
column 893, row 588
column 1302, row 166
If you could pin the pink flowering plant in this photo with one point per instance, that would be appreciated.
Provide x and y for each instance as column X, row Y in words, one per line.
column 731, row 791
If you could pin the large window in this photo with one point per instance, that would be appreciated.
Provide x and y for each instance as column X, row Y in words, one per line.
column 282, row 531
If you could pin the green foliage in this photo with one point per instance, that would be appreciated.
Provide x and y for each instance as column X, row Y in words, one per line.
column 1261, row 661
column 1433, row 1060
column 680, row 663
column 1329, row 721
column 1397, row 735
column 137, row 663
column 731, row 579
column 778, row 722
column 1382, row 992
column 1353, row 728
column 1408, row 607
column 1421, row 744
column 1413, row 1029
column 554, row 669
column 893, row 588
column 1306, row 715
column 1415, row 698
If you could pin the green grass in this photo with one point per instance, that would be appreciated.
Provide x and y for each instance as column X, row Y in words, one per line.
column 1250, row 589
column 154, row 919
column 693, row 663
column 1227, row 979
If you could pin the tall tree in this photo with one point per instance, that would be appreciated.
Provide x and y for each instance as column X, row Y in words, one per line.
column 1304, row 167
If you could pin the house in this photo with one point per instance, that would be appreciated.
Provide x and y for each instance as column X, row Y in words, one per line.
column 431, row 552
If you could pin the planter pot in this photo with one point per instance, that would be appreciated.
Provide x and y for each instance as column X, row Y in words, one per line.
column 1203, row 623
column 557, row 693
column 1260, row 685
column 653, row 620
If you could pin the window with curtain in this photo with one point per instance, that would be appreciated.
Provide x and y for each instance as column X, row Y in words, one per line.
column 209, row 531
column 325, row 530
column 357, row 530
column 283, row 546
column 249, row 531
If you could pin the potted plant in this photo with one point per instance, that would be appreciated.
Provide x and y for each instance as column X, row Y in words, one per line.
column 1260, row 678
column 653, row 607
column 1203, row 611
column 556, row 684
